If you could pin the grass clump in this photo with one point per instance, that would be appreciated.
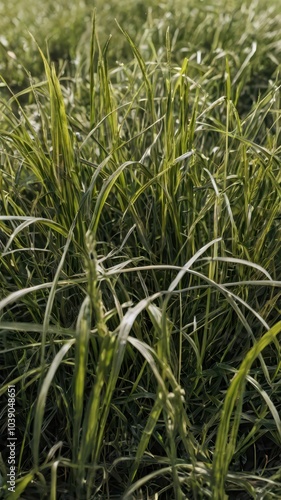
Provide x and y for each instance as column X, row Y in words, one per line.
column 140, row 256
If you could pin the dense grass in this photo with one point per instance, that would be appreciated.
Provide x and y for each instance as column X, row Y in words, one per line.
column 140, row 249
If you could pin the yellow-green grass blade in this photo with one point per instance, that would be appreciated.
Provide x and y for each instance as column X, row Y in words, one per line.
column 227, row 431
column 80, row 370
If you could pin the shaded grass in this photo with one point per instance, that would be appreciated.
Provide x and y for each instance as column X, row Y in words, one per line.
column 140, row 266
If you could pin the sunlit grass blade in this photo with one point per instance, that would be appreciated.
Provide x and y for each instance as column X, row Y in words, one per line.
column 227, row 433
column 41, row 402
column 81, row 362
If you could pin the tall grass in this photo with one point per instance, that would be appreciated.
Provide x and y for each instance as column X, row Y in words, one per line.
column 140, row 258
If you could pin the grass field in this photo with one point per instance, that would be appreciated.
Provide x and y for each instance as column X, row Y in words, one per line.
column 140, row 231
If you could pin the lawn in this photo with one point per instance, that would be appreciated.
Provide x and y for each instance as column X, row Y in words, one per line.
column 140, row 232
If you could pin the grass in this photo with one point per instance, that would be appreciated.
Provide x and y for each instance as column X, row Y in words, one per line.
column 140, row 250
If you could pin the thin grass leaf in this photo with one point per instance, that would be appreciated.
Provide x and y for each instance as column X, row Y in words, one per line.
column 81, row 362
column 41, row 402
column 226, row 438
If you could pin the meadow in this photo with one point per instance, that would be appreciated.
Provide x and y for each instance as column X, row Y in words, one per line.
column 140, row 230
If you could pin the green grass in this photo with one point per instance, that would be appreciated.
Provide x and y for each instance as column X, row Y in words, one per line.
column 140, row 249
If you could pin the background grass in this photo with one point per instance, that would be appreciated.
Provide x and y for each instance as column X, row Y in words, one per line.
column 140, row 249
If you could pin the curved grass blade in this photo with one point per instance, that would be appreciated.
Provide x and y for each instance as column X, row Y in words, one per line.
column 227, row 431
column 41, row 402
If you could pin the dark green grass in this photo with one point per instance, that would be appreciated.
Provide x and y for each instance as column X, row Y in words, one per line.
column 140, row 252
